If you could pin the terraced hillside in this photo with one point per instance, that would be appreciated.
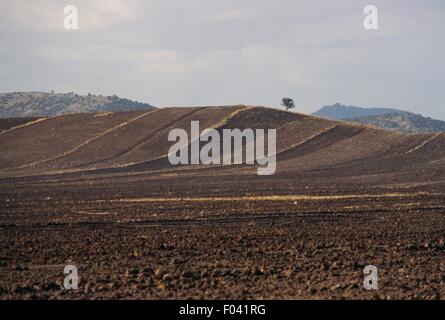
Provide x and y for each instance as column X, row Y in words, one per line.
column 98, row 191
column 137, row 141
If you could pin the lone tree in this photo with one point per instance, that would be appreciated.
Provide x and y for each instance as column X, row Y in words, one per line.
column 288, row 103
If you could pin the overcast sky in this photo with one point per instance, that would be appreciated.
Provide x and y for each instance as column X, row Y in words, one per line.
column 219, row 52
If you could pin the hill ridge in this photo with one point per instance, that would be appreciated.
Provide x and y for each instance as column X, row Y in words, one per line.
column 304, row 144
column 385, row 118
column 46, row 104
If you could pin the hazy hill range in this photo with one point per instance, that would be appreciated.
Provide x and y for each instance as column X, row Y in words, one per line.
column 34, row 104
column 341, row 112
column 386, row 118
column 404, row 122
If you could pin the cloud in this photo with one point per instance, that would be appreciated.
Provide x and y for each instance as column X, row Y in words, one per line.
column 175, row 52
column 235, row 14
column 152, row 62
column 31, row 16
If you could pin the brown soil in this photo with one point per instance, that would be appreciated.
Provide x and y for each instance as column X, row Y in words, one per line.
column 343, row 197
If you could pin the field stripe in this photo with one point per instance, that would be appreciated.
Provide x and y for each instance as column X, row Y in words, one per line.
column 138, row 144
column 315, row 135
column 420, row 146
column 215, row 126
column 24, row 125
column 273, row 198
column 97, row 137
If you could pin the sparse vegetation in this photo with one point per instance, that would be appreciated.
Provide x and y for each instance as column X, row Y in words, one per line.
column 36, row 104
column 287, row 103
column 404, row 122
column 385, row 118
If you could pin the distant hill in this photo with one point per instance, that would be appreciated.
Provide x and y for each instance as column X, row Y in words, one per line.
column 36, row 104
column 404, row 122
column 341, row 112
column 386, row 118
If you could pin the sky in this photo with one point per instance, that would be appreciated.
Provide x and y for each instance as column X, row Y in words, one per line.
column 223, row 52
